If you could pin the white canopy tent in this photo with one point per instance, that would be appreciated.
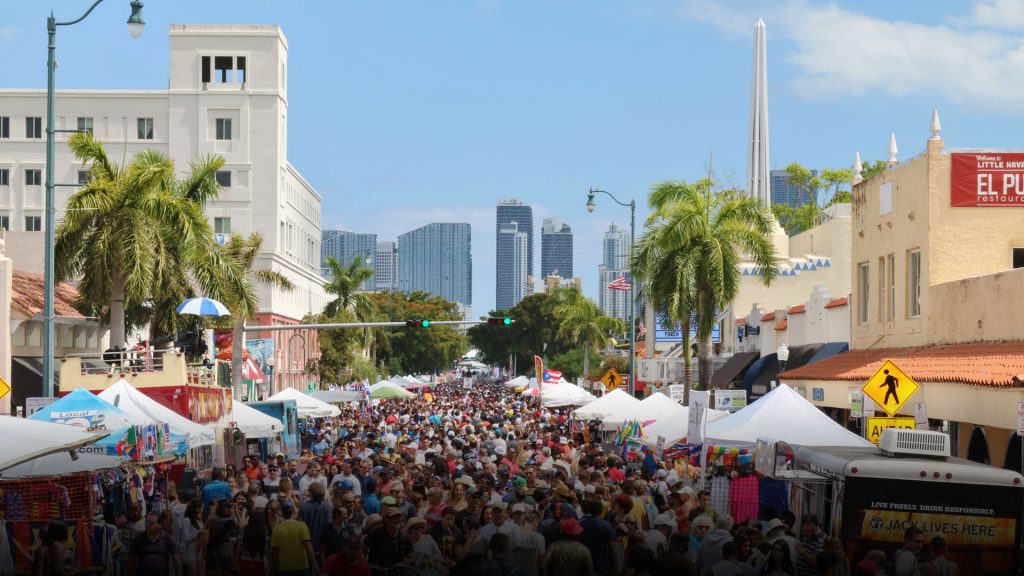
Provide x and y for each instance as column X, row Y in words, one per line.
column 307, row 405
column 657, row 407
column 131, row 400
column 564, row 394
column 609, row 405
column 253, row 423
column 26, row 440
column 782, row 414
column 517, row 382
column 675, row 429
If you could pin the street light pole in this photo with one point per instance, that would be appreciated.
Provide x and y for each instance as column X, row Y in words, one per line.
column 632, row 298
column 135, row 27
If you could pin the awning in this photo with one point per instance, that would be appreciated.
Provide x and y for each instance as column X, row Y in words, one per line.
column 733, row 368
column 761, row 373
column 336, row 396
column 829, row 349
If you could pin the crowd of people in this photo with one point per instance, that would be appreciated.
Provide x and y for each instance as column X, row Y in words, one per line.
column 479, row 482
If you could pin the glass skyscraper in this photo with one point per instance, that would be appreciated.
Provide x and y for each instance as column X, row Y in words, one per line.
column 346, row 246
column 437, row 258
column 555, row 249
column 514, row 253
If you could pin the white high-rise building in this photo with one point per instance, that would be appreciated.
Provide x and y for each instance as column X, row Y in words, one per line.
column 614, row 263
column 227, row 95
column 513, row 273
column 386, row 265
column 758, row 163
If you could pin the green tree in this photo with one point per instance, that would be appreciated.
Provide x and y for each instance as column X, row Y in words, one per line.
column 708, row 233
column 870, row 169
column 134, row 234
column 422, row 350
column 534, row 331
column 344, row 286
column 240, row 254
column 583, row 323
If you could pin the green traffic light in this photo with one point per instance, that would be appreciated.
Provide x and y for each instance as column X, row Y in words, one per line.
column 507, row 321
column 425, row 323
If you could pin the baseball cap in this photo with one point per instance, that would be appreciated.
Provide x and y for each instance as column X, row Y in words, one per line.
column 563, row 440
column 388, row 501
column 665, row 519
column 287, row 504
column 346, row 485
column 520, row 507
column 571, row 527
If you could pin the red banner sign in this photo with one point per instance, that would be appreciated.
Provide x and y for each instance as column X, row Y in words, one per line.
column 987, row 179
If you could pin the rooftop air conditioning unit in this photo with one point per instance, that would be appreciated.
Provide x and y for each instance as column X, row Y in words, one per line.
column 906, row 442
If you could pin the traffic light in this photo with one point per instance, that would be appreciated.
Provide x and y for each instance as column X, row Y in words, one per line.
column 417, row 323
column 503, row 321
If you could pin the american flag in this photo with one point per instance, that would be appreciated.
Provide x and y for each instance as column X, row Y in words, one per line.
column 552, row 376
column 642, row 330
column 620, row 283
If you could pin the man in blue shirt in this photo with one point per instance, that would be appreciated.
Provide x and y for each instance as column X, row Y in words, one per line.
column 321, row 445
column 216, row 489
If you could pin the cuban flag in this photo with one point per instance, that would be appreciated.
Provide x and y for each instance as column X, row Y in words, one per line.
column 552, row 376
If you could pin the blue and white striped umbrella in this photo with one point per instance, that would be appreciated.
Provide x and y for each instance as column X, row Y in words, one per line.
column 203, row 307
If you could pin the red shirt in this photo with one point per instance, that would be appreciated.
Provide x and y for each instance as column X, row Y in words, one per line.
column 338, row 565
column 616, row 475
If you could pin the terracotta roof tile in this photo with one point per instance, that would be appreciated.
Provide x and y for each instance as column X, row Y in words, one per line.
column 781, row 325
column 741, row 321
column 837, row 302
column 768, row 317
column 797, row 309
column 997, row 365
column 27, row 294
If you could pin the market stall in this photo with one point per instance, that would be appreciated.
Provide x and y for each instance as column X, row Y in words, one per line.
column 608, row 406
column 307, row 405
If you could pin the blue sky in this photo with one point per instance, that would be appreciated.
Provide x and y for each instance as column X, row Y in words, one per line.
column 406, row 112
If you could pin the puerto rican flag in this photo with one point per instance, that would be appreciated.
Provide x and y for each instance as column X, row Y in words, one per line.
column 621, row 283
column 552, row 376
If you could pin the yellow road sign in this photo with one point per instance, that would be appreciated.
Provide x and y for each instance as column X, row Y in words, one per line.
column 890, row 388
column 611, row 379
column 5, row 388
column 878, row 423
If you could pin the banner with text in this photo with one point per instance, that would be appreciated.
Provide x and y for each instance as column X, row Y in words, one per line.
column 987, row 179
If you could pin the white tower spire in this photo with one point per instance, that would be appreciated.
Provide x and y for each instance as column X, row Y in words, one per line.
column 893, row 150
column 758, row 165
column 936, row 126
column 858, row 169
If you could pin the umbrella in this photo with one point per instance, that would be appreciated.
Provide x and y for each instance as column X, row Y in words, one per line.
column 203, row 307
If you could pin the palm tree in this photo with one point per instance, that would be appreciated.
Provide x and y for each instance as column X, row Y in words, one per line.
column 344, row 285
column 694, row 246
column 240, row 254
column 131, row 232
column 583, row 323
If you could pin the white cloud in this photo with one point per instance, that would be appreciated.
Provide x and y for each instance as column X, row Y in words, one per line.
column 841, row 53
column 1005, row 14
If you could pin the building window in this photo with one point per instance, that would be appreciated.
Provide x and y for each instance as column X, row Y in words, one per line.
column 223, row 128
column 5, row 176
column 882, row 300
column 33, row 223
column 33, row 177
column 891, row 290
column 1018, row 257
column 222, row 225
column 914, row 284
column 83, row 176
column 864, row 284
column 33, row 127
column 85, row 125
column 5, row 223
column 224, row 178
column 145, row 128
column 5, row 126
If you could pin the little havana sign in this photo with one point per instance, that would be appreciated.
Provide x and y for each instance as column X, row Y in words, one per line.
column 986, row 179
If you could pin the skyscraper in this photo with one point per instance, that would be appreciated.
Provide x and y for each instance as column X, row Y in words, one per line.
column 614, row 263
column 437, row 258
column 346, row 246
column 386, row 265
column 785, row 193
column 510, row 272
column 758, row 164
column 512, row 278
column 555, row 249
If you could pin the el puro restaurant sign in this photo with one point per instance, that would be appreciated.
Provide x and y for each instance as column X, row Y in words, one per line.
column 987, row 179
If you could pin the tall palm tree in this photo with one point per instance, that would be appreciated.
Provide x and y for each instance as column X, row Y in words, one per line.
column 131, row 229
column 344, row 285
column 240, row 253
column 583, row 323
column 695, row 245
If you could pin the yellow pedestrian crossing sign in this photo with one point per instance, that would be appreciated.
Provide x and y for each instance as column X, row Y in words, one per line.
column 890, row 388
column 611, row 379
column 4, row 388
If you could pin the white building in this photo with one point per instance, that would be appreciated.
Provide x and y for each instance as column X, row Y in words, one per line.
column 227, row 95
column 385, row 265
